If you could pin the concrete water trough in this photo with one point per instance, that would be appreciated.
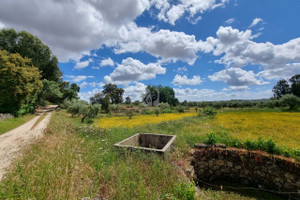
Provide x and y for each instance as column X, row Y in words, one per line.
column 148, row 142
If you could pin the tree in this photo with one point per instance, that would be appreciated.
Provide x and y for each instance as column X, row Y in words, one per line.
column 50, row 92
column 115, row 93
column 295, row 87
column 19, row 82
column 74, row 106
column 30, row 46
column 100, row 98
column 128, row 100
column 166, row 94
column 89, row 111
column 69, row 91
column 290, row 100
column 281, row 88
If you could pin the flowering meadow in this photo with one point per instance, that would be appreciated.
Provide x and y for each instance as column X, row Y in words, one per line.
column 283, row 127
column 137, row 120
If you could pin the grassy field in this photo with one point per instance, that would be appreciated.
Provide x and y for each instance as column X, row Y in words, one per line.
column 9, row 124
column 77, row 160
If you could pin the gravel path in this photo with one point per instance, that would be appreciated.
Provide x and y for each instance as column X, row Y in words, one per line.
column 12, row 141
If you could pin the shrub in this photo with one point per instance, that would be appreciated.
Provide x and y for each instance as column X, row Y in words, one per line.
column 209, row 111
column 211, row 138
column 89, row 111
column 163, row 106
column 249, row 144
column 157, row 111
column 147, row 111
column 129, row 113
column 180, row 109
column 290, row 100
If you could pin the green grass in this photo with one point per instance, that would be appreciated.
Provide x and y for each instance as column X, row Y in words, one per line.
column 76, row 160
column 9, row 124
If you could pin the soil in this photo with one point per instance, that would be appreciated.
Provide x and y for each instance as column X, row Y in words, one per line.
column 16, row 139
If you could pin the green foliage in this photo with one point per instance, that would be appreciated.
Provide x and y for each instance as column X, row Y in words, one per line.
column 114, row 107
column 291, row 101
column 50, row 92
column 68, row 91
column 100, row 98
column 128, row 100
column 115, row 93
column 31, row 47
column 166, row 94
column 281, row 88
column 265, row 145
column 180, row 109
column 295, row 85
column 75, row 106
column 157, row 111
column 163, row 106
column 209, row 111
column 211, row 138
column 19, row 83
column 90, row 110
column 129, row 113
column 147, row 111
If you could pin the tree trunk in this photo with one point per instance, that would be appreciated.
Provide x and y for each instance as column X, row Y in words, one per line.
column 82, row 119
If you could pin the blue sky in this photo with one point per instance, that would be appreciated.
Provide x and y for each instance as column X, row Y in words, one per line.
column 204, row 49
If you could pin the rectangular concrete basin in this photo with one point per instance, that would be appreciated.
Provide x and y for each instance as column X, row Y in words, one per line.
column 148, row 142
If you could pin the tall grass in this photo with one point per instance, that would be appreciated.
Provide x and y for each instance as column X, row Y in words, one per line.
column 76, row 160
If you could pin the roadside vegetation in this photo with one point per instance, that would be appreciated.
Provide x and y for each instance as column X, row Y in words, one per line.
column 76, row 160
column 9, row 124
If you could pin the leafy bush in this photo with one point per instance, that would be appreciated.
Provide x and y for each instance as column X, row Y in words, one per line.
column 209, row 111
column 290, row 100
column 129, row 113
column 147, row 111
column 180, row 109
column 163, row 106
column 157, row 111
column 89, row 111
column 211, row 138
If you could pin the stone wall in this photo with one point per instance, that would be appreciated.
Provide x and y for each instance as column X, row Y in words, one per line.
column 254, row 168
column 4, row 116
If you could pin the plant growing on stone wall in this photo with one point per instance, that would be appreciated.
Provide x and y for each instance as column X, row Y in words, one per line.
column 211, row 138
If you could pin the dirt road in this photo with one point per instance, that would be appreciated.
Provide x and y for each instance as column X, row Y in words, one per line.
column 12, row 141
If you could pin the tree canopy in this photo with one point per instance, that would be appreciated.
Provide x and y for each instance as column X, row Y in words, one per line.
column 115, row 93
column 295, row 85
column 19, row 82
column 30, row 46
column 281, row 88
column 166, row 94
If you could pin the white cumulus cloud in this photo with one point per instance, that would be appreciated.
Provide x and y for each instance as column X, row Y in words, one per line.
column 107, row 62
column 132, row 70
column 184, row 80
